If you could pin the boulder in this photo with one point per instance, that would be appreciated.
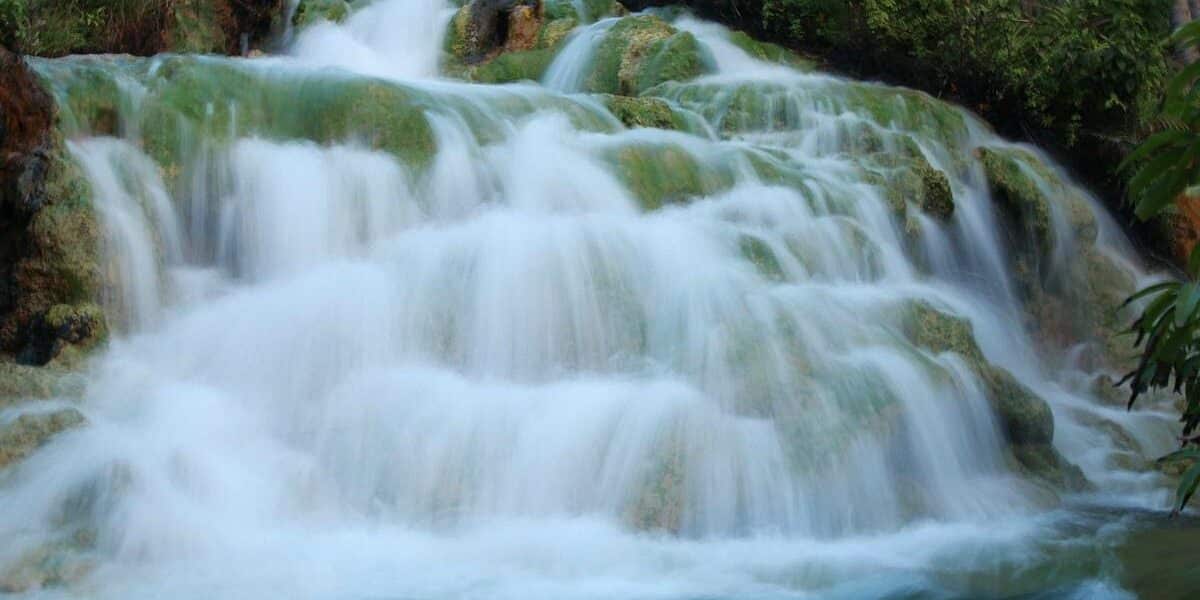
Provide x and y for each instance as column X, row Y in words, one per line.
column 1024, row 418
column 28, row 432
column 484, row 27
column 309, row 12
column 641, row 112
column 49, row 255
column 640, row 52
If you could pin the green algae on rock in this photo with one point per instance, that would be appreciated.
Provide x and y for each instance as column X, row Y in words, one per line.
column 639, row 52
column 187, row 99
column 57, row 268
column 642, row 112
column 1024, row 418
column 660, row 174
column 769, row 52
column 19, row 438
column 309, row 12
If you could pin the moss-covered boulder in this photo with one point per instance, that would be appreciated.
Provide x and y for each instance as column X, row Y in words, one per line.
column 663, row 173
column 642, row 112
column 19, row 383
column 640, row 52
column 189, row 99
column 1024, row 419
column 309, row 12
column 528, row 65
column 49, row 256
column 520, row 50
column 906, row 176
column 936, row 331
column 1023, row 186
column 28, row 432
column 768, row 52
column 482, row 28
column 760, row 254
column 80, row 326
column 659, row 506
column 584, row 11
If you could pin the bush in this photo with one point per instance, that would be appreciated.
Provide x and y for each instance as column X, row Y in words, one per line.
column 58, row 27
column 1060, row 65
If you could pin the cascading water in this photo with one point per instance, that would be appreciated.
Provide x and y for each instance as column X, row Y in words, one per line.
column 352, row 365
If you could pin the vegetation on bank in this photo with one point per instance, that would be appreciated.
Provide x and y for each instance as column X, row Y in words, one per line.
column 1167, row 331
column 142, row 27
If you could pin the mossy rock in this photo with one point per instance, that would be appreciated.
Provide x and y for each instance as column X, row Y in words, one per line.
column 481, row 29
column 553, row 32
column 907, row 111
column 54, row 564
column 908, row 177
column 660, row 174
column 528, row 65
column 934, row 195
column 642, row 112
column 28, row 432
column 192, row 98
column 936, row 331
column 592, row 10
column 661, row 502
column 82, row 325
column 760, row 254
column 62, row 267
column 520, row 57
column 1024, row 417
column 768, row 52
column 309, row 12
column 1042, row 463
column 457, row 42
column 640, row 52
column 1018, row 194
column 19, row 383
column 1016, row 179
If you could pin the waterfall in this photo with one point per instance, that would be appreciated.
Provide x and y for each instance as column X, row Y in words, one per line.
column 387, row 334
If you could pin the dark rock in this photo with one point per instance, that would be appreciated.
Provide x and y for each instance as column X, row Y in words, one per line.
column 49, row 270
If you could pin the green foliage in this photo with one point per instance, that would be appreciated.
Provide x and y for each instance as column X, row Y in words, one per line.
column 1168, row 329
column 59, row 27
column 1166, row 162
column 1058, row 66
column 1190, row 479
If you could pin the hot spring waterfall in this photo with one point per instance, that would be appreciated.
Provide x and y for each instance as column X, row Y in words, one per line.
column 492, row 365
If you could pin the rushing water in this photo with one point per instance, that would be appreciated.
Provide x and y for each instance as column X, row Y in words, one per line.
column 497, row 376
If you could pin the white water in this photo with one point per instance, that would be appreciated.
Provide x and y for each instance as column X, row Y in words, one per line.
column 500, row 378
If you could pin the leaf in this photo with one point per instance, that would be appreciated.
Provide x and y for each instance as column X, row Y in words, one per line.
column 1162, row 194
column 1150, row 289
column 1151, row 315
column 1186, row 77
column 1187, row 486
column 1189, row 294
column 1193, row 265
column 1152, row 144
column 1178, row 455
